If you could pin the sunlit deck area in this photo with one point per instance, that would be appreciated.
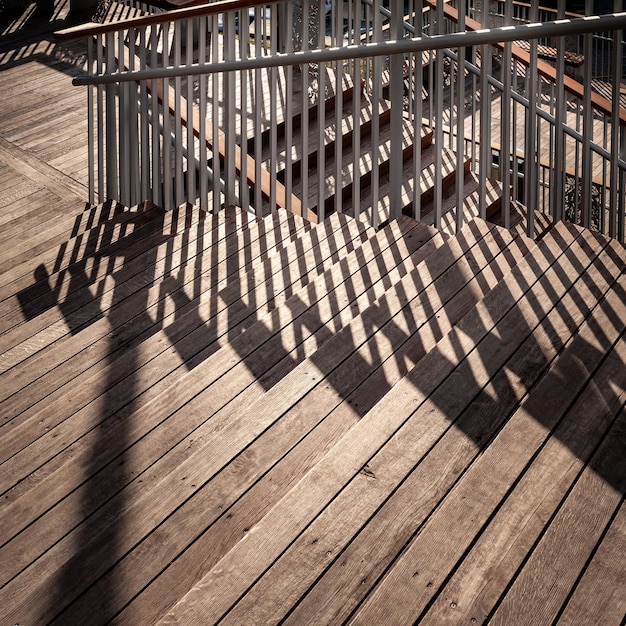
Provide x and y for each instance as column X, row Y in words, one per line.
column 210, row 417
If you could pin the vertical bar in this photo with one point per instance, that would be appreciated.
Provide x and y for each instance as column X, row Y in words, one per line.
column 273, row 109
column 418, row 115
column 438, row 191
column 202, row 106
column 485, row 122
column 111, row 123
column 289, row 110
column 90, row 122
column 616, row 216
column 558, row 173
column 244, row 39
column 215, row 119
column 356, row 108
column 321, row 119
column 229, row 110
column 179, row 191
column 376, row 98
column 397, row 109
column 460, row 122
column 191, row 151
column 587, row 124
column 167, row 132
column 505, row 139
column 133, row 122
column 101, row 118
column 337, row 16
column 157, row 137
column 145, row 128
column 530, row 153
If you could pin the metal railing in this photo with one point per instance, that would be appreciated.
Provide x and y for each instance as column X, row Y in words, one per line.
column 197, row 103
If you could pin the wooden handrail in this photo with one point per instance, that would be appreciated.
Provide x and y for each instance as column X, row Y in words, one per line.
column 571, row 85
column 92, row 29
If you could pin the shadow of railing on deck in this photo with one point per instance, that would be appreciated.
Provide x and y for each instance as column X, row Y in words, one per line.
column 171, row 368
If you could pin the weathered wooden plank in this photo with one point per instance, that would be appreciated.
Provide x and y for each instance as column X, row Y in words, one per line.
column 570, row 536
column 484, row 573
column 323, row 482
column 288, row 430
column 216, row 236
column 434, row 551
column 600, row 590
column 33, row 309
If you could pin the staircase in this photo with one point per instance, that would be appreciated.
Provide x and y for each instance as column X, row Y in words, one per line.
column 212, row 416
column 356, row 183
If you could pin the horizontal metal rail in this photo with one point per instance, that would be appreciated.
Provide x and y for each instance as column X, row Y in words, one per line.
column 558, row 28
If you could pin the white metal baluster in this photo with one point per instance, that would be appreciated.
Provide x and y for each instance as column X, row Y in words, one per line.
column 460, row 122
column 438, row 190
column 179, row 191
column 418, row 116
column 304, row 123
column 168, row 203
column 587, row 124
column 273, row 109
column 133, row 122
column 616, row 217
column 321, row 119
column 111, row 123
column 376, row 98
column 485, row 122
column 123, row 126
column 557, row 178
column 530, row 160
column 90, row 123
column 157, row 137
column 101, row 117
column 191, row 151
column 202, row 103
column 145, row 127
column 215, row 118
column 244, row 38
column 397, row 106
column 505, row 140
column 230, row 107
column 258, row 109
column 356, row 108
column 337, row 17
column 289, row 91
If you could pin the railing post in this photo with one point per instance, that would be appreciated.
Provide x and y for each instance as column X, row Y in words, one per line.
column 111, row 124
column 397, row 106
column 557, row 177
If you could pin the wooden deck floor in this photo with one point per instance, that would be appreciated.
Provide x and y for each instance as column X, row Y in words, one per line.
column 212, row 418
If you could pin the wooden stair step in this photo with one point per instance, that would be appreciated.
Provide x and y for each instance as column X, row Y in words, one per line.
column 350, row 379
column 471, row 203
column 330, row 137
column 427, row 182
column 347, row 96
column 346, row 461
column 218, row 389
column 365, row 165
